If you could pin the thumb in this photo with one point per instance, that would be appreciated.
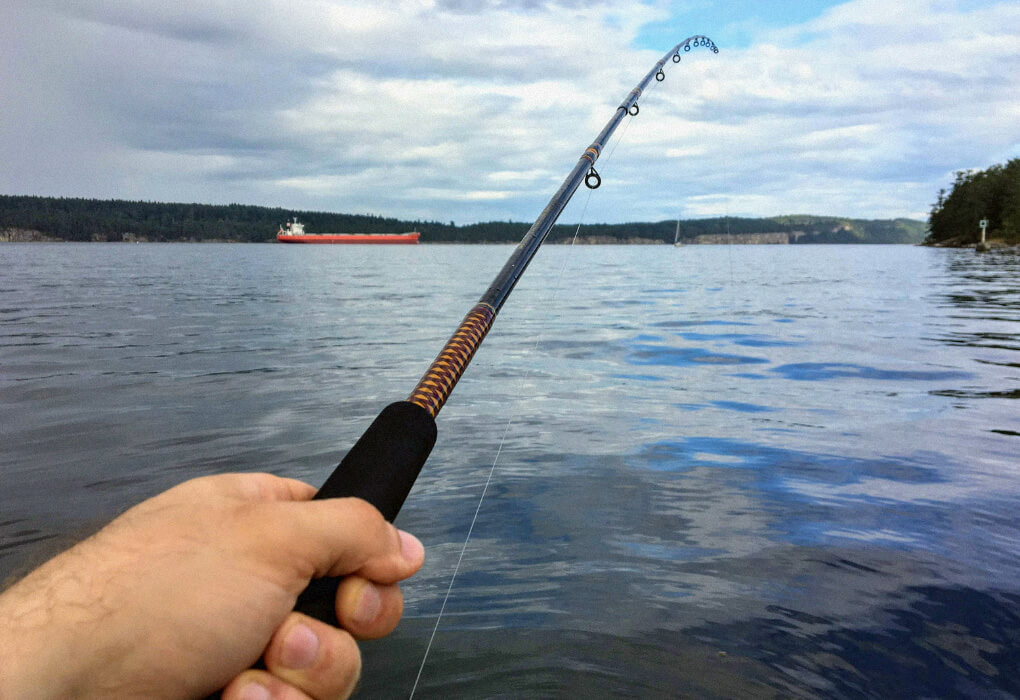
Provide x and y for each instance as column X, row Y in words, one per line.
column 336, row 537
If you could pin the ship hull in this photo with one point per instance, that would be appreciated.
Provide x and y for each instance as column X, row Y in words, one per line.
column 351, row 238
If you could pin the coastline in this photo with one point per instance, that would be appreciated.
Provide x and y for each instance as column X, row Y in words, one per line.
column 26, row 235
column 48, row 219
column 23, row 235
column 967, row 241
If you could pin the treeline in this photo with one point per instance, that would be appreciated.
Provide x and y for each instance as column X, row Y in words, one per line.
column 992, row 194
column 73, row 219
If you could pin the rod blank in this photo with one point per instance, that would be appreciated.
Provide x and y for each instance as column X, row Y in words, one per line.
column 435, row 386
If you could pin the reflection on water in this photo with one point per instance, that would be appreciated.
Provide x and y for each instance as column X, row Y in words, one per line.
column 730, row 471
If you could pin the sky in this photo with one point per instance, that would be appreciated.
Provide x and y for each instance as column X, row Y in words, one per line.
column 475, row 110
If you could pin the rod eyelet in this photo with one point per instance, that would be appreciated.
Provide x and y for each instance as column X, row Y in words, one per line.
column 634, row 109
column 592, row 180
column 660, row 76
column 676, row 58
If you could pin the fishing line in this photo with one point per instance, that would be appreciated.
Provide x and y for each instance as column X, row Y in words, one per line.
column 729, row 240
column 384, row 463
column 612, row 150
column 555, row 289
column 629, row 107
column 482, row 316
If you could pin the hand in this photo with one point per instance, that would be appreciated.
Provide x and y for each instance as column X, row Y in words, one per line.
column 183, row 593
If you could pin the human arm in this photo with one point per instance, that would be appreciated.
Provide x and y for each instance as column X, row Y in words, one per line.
column 181, row 594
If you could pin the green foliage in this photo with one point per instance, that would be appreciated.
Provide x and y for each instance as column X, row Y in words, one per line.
column 992, row 194
column 115, row 220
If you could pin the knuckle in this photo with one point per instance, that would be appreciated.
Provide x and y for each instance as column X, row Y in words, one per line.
column 375, row 526
column 363, row 510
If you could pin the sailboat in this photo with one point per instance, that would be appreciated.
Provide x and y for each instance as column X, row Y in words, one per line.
column 676, row 238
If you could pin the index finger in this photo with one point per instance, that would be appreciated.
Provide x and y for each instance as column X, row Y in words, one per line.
column 247, row 486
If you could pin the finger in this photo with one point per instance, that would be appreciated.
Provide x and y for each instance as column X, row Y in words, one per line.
column 264, row 487
column 318, row 659
column 257, row 487
column 336, row 537
column 368, row 610
column 278, row 488
column 261, row 685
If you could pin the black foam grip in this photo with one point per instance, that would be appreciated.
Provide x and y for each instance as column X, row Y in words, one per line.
column 385, row 461
column 381, row 469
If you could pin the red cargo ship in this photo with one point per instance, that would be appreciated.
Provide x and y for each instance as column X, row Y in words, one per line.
column 294, row 232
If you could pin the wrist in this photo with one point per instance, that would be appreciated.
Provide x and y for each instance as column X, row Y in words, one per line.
column 46, row 632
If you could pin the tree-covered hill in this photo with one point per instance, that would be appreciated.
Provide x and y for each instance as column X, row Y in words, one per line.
column 73, row 219
column 992, row 194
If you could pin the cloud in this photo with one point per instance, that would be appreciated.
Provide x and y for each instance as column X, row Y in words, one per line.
column 864, row 111
column 446, row 110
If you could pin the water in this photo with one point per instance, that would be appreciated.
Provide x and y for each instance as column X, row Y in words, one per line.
column 765, row 471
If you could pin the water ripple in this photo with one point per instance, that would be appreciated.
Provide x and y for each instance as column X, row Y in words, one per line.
column 729, row 471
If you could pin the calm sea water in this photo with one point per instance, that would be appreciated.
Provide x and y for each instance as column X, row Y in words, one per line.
column 785, row 471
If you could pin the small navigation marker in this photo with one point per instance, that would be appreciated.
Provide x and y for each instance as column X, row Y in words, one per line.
column 983, row 247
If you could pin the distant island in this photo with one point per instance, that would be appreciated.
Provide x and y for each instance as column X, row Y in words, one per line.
column 991, row 195
column 26, row 218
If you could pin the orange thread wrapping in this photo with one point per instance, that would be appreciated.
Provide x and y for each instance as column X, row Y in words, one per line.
column 435, row 387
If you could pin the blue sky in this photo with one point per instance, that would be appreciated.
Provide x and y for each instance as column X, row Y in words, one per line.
column 734, row 24
column 474, row 110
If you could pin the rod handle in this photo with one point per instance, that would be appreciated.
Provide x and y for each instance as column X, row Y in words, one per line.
column 381, row 469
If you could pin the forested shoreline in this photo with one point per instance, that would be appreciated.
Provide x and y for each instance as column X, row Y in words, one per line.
column 79, row 219
column 992, row 195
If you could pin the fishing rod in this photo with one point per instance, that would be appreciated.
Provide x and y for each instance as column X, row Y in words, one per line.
column 383, row 464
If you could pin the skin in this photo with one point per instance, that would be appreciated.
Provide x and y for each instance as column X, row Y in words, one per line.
column 182, row 594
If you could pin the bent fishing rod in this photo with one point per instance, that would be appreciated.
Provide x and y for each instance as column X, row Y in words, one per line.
column 383, row 464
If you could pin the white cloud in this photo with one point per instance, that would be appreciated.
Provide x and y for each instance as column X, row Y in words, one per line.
column 475, row 111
